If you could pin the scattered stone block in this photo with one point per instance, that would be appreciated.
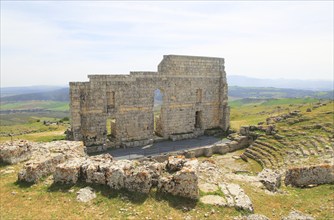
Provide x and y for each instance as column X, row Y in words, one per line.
column 208, row 151
column 138, row 179
column 86, row 194
column 68, row 172
column 94, row 169
column 222, row 148
column 175, row 163
column 115, row 174
column 270, row 179
column 183, row 182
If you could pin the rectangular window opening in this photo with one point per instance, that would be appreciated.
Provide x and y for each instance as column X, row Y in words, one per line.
column 199, row 95
column 110, row 100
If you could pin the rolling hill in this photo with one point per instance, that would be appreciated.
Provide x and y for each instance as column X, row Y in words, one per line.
column 314, row 85
column 54, row 95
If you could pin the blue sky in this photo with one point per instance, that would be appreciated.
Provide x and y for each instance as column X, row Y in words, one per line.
column 52, row 43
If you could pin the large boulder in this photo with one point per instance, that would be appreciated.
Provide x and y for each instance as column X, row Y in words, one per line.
column 94, row 168
column 68, row 172
column 270, row 179
column 138, row 179
column 183, row 182
column 115, row 174
column 15, row 152
column 239, row 142
column 33, row 171
column 155, row 169
column 311, row 175
column 221, row 148
column 175, row 163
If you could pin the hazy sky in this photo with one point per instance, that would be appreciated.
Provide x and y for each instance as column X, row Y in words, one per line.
column 52, row 43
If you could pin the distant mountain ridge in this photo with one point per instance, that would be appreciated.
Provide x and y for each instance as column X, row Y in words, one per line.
column 55, row 95
column 10, row 91
column 315, row 85
column 239, row 87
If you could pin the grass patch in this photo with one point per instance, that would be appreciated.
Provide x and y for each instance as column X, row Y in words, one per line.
column 45, row 200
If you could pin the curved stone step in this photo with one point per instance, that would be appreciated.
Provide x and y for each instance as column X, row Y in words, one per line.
column 305, row 152
column 267, row 150
column 324, row 144
column 275, row 147
column 317, row 146
column 251, row 156
column 310, row 148
column 259, row 156
column 273, row 160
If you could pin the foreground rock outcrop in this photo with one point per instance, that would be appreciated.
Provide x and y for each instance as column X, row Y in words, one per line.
column 46, row 156
column 177, row 176
column 311, row 175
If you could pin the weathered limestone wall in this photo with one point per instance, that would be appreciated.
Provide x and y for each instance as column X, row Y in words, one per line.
column 194, row 99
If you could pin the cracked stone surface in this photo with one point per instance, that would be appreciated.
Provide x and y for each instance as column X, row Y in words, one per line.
column 208, row 187
column 240, row 199
column 213, row 200
column 296, row 215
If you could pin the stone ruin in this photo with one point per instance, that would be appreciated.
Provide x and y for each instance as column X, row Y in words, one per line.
column 118, row 110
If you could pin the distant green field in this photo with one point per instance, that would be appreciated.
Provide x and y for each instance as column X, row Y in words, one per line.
column 47, row 105
column 252, row 111
column 271, row 102
column 289, row 101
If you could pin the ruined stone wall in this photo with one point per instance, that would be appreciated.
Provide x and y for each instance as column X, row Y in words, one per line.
column 194, row 93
